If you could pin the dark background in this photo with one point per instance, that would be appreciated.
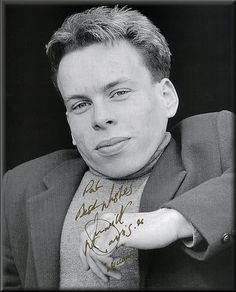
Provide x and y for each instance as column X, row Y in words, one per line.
column 200, row 37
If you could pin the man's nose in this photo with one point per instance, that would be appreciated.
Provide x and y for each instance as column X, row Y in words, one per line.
column 103, row 116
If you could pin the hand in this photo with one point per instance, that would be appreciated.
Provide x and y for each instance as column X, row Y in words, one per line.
column 103, row 235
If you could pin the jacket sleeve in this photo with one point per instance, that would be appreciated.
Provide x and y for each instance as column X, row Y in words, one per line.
column 210, row 206
column 11, row 279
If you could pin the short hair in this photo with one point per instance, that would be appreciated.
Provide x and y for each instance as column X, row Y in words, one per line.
column 109, row 25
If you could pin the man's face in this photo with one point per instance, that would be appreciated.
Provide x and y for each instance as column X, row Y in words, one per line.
column 116, row 113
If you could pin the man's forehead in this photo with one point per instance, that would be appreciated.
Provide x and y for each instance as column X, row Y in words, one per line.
column 95, row 56
column 99, row 67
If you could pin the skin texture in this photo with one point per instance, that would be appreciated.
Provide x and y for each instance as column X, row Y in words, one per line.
column 113, row 102
column 134, row 108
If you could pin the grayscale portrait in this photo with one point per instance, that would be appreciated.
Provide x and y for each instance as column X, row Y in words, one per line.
column 118, row 146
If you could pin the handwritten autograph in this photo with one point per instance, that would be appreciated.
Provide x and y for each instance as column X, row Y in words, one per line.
column 114, row 197
column 115, row 233
column 112, row 230
column 118, row 262
column 92, row 187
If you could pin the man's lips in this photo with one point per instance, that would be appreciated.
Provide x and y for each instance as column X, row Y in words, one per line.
column 111, row 142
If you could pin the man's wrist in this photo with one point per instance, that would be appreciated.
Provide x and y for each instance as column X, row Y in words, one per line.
column 183, row 227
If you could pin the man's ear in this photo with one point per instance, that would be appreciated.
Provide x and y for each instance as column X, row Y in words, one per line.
column 170, row 97
column 73, row 140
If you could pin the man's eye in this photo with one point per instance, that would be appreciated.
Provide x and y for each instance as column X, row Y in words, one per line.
column 80, row 107
column 82, row 104
column 119, row 93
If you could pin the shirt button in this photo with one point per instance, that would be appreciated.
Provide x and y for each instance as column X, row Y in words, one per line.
column 225, row 237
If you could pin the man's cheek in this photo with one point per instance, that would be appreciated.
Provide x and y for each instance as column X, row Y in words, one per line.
column 83, row 145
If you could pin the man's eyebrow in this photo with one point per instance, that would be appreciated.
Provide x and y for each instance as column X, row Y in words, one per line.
column 115, row 82
column 105, row 88
column 74, row 96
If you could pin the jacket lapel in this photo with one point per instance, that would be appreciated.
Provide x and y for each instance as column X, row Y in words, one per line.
column 162, row 185
column 46, row 213
column 165, row 179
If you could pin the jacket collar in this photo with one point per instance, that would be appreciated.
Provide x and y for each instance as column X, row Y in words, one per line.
column 47, row 210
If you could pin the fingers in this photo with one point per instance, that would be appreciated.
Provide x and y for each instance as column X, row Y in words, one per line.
column 96, row 270
column 100, row 265
column 98, row 259
column 107, row 271
column 105, row 265
column 83, row 258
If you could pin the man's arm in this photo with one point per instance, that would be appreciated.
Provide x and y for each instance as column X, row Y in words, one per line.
column 209, row 206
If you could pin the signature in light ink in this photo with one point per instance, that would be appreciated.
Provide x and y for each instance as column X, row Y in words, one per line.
column 117, row 262
column 101, row 226
column 92, row 187
column 114, row 197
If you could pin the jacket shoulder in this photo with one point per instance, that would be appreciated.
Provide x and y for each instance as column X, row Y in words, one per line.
column 206, row 141
column 204, row 127
column 37, row 168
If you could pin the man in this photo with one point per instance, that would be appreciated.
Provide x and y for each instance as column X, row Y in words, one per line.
column 141, row 208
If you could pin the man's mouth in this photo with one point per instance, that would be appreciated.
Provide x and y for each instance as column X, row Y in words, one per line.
column 112, row 146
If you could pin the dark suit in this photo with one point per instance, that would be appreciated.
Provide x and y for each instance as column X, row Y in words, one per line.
column 193, row 175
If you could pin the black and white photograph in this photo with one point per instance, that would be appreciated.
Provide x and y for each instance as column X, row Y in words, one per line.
column 117, row 149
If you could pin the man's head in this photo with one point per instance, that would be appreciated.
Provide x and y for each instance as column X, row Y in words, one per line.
column 112, row 68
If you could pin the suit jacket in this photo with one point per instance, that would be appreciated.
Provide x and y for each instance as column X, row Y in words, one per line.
column 193, row 175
